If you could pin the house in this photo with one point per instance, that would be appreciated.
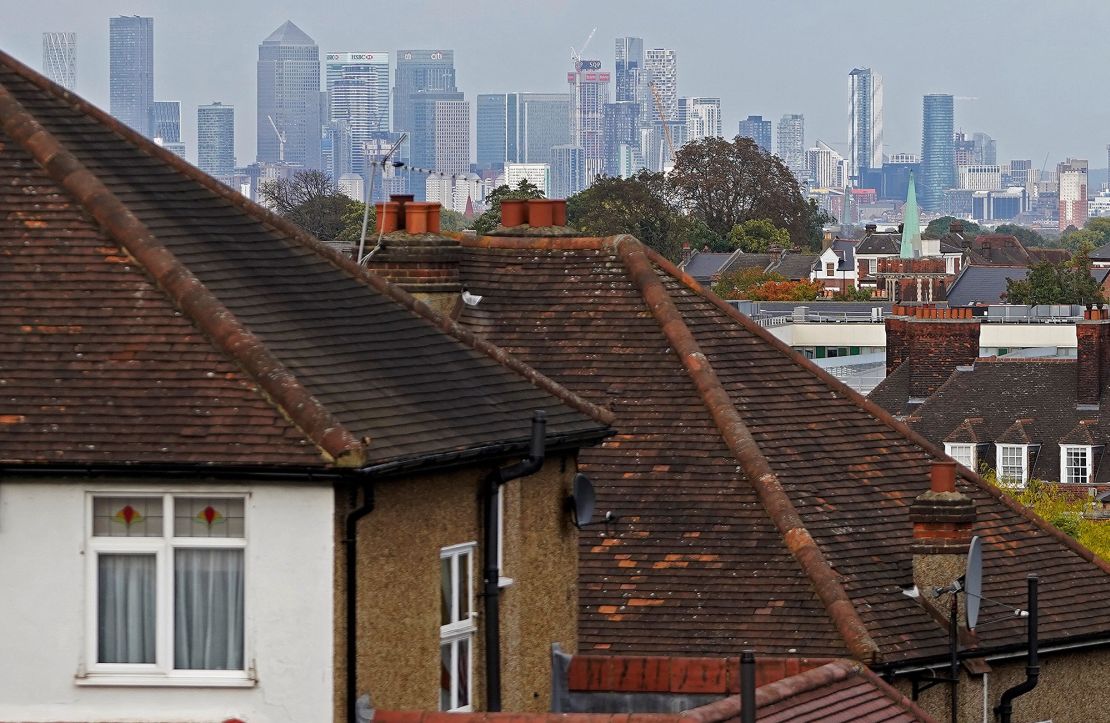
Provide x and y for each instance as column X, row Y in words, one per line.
column 1026, row 418
column 240, row 477
column 755, row 502
column 835, row 268
column 707, row 267
column 877, row 246
column 984, row 285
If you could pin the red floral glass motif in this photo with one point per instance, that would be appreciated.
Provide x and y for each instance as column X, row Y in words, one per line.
column 210, row 515
column 128, row 515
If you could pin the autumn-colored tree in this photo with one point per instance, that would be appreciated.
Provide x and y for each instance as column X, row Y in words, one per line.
column 757, row 285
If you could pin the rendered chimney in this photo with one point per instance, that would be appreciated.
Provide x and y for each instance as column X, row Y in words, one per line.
column 943, row 519
column 420, row 260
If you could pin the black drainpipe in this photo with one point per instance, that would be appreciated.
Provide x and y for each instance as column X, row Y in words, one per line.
column 350, row 532
column 492, row 573
column 1005, row 706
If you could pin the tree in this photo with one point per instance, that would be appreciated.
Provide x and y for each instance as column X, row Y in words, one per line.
column 644, row 206
column 938, row 227
column 451, row 220
column 1095, row 234
column 726, row 183
column 758, row 285
column 1059, row 283
column 858, row 293
column 758, row 236
column 311, row 200
column 1027, row 236
column 491, row 219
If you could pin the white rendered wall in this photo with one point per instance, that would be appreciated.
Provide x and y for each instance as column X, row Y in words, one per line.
column 43, row 598
column 1027, row 335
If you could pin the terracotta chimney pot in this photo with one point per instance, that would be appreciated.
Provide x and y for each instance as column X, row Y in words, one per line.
column 513, row 212
column 387, row 215
column 942, row 476
column 540, row 212
column 559, row 211
column 434, row 210
column 416, row 217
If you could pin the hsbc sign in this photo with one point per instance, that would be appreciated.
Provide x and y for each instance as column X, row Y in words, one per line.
column 379, row 58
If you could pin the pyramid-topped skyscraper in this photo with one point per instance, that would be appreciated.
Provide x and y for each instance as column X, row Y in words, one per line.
column 289, row 94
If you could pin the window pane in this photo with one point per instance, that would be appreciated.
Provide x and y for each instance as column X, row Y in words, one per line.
column 446, row 594
column 445, row 676
column 463, row 678
column 208, row 609
column 125, row 608
column 208, row 516
column 464, row 586
column 127, row 517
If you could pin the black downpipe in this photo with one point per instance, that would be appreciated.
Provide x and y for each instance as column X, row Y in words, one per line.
column 350, row 532
column 1005, row 707
column 747, row 686
column 491, row 571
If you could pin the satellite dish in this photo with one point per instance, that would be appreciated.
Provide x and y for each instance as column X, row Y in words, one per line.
column 582, row 500
column 973, row 581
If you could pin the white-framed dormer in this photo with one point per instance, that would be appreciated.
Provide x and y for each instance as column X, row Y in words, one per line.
column 966, row 453
column 1012, row 463
column 1077, row 463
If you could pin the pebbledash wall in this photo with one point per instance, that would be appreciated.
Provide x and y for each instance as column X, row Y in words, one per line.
column 44, row 606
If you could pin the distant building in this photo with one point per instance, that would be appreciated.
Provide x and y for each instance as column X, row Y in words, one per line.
column 629, row 62
column 131, row 70
column 999, row 205
column 938, row 161
column 336, row 146
column 827, row 168
column 289, row 96
column 59, row 58
column 894, row 177
column 791, row 142
column 865, row 120
column 537, row 122
column 165, row 120
column 1021, row 173
column 702, row 118
column 440, row 138
column 757, row 129
column 352, row 185
column 568, row 171
column 589, row 90
column 661, row 65
column 419, row 71
column 216, row 140
column 1072, row 175
column 981, row 178
column 622, row 136
column 358, row 93
column 491, row 127
column 538, row 174
column 985, row 148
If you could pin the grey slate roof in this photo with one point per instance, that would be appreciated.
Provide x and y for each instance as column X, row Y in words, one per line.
column 987, row 284
column 704, row 265
column 795, row 267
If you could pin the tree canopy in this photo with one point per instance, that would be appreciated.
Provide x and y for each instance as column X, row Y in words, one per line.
column 938, row 227
column 1027, row 236
column 1056, row 283
column 644, row 205
column 758, row 285
column 491, row 219
column 1093, row 235
column 311, row 200
column 758, row 235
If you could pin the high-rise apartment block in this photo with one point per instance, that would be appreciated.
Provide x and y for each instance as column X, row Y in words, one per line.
column 131, row 70
column 938, row 151
column 791, row 142
column 289, row 99
column 59, row 58
column 216, row 140
column 865, row 121
column 827, row 168
column 758, row 130
column 568, row 171
column 589, row 91
column 702, row 118
column 661, row 67
column 981, row 177
column 1072, row 177
column 165, row 120
column 538, row 174
column 417, row 72
column 358, row 93
column 629, row 63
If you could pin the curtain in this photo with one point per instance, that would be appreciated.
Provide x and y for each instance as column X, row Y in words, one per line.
column 126, row 595
column 208, row 609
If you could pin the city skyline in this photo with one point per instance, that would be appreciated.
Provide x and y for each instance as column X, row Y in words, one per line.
column 221, row 42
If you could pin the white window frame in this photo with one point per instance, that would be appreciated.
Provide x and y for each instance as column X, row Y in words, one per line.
column 161, row 673
column 1088, row 465
column 873, row 266
column 463, row 629
column 1023, row 450
column 953, row 449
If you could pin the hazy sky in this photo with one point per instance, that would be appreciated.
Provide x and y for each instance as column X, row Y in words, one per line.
column 1033, row 68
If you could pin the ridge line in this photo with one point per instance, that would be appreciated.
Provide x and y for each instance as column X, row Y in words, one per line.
column 738, row 437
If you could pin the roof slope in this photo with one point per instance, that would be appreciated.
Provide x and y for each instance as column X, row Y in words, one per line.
column 167, row 302
column 760, row 503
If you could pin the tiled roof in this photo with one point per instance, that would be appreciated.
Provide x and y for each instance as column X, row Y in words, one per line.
column 1102, row 253
column 149, row 314
column 795, row 267
column 880, row 243
column 983, row 284
column 746, row 261
column 760, row 503
column 704, row 265
column 969, row 431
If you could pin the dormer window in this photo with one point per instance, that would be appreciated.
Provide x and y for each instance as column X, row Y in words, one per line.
column 1076, row 464
column 830, row 268
column 1013, row 464
column 964, row 453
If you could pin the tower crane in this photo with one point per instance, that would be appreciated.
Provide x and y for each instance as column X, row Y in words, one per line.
column 281, row 139
column 663, row 119
column 576, row 55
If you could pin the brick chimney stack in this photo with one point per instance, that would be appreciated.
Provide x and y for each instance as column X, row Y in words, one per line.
column 414, row 255
column 1092, row 337
column 934, row 339
column 942, row 518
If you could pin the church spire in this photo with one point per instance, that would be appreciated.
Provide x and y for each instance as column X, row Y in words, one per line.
column 911, row 224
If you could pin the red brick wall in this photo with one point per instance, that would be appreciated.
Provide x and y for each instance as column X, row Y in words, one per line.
column 936, row 348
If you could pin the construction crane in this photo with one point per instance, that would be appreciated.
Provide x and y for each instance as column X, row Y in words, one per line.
column 576, row 55
column 281, row 140
column 663, row 119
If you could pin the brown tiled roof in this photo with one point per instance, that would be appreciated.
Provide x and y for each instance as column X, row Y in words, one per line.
column 1018, row 433
column 971, row 430
column 760, row 503
column 149, row 314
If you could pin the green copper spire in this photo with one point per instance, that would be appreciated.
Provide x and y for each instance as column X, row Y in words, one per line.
column 911, row 224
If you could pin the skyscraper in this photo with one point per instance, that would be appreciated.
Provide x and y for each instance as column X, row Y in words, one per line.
column 216, row 140
column 1072, row 175
column 827, row 169
column 289, row 93
column 865, row 121
column 491, row 127
column 131, row 70
column 621, row 135
column 629, row 61
column 938, row 150
column 358, row 93
column 568, row 171
column 758, row 130
column 589, row 91
column 59, row 58
column 661, row 65
column 702, row 118
column 419, row 71
column 792, row 138
column 165, row 120
column 440, row 137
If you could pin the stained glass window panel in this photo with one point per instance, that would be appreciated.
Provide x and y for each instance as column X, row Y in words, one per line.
column 127, row 517
column 208, row 516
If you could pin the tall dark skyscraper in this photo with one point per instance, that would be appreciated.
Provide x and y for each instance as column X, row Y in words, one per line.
column 758, row 130
column 629, row 59
column 491, row 130
column 622, row 135
column 289, row 93
column 419, row 71
column 131, row 70
column 865, row 121
column 521, row 127
column 216, row 140
column 938, row 151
